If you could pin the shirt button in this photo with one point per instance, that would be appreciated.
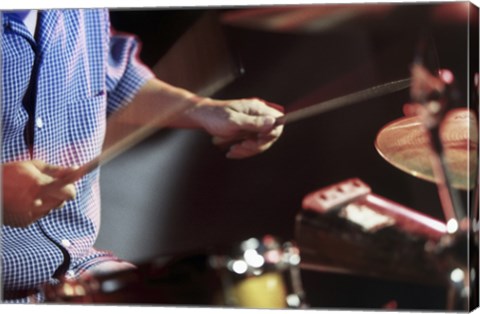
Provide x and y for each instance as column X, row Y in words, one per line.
column 39, row 122
column 70, row 273
column 65, row 243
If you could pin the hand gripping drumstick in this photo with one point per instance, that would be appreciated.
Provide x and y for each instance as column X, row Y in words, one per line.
column 332, row 104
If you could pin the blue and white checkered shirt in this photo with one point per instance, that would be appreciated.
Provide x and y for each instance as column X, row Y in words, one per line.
column 81, row 73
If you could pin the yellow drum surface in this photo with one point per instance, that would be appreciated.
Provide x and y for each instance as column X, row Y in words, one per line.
column 266, row 291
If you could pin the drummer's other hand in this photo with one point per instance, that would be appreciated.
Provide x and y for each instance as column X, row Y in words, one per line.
column 246, row 126
column 31, row 190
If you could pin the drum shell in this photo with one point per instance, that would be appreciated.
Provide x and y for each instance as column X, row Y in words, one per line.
column 261, row 273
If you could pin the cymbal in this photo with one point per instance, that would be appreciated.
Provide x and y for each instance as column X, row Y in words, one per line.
column 404, row 143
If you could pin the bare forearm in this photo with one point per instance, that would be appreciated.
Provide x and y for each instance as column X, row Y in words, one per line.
column 153, row 100
column 250, row 123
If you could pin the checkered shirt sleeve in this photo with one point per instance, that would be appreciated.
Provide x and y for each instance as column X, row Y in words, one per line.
column 83, row 73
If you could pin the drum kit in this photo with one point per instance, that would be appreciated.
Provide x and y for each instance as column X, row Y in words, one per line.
column 342, row 228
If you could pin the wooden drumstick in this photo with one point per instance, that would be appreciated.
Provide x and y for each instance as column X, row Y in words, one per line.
column 125, row 143
column 345, row 100
column 332, row 104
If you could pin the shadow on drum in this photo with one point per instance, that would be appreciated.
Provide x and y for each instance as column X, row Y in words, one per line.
column 256, row 273
column 183, row 280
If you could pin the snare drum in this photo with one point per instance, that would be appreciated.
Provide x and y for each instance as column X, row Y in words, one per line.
column 261, row 273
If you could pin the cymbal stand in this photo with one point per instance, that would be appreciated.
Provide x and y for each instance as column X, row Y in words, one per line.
column 432, row 93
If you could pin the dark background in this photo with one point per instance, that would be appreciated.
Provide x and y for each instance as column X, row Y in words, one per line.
column 177, row 193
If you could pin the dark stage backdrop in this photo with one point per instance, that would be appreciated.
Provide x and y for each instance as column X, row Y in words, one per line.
column 177, row 193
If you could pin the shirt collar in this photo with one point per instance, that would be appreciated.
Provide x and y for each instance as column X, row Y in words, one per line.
column 28, row 17
column 13, row 23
